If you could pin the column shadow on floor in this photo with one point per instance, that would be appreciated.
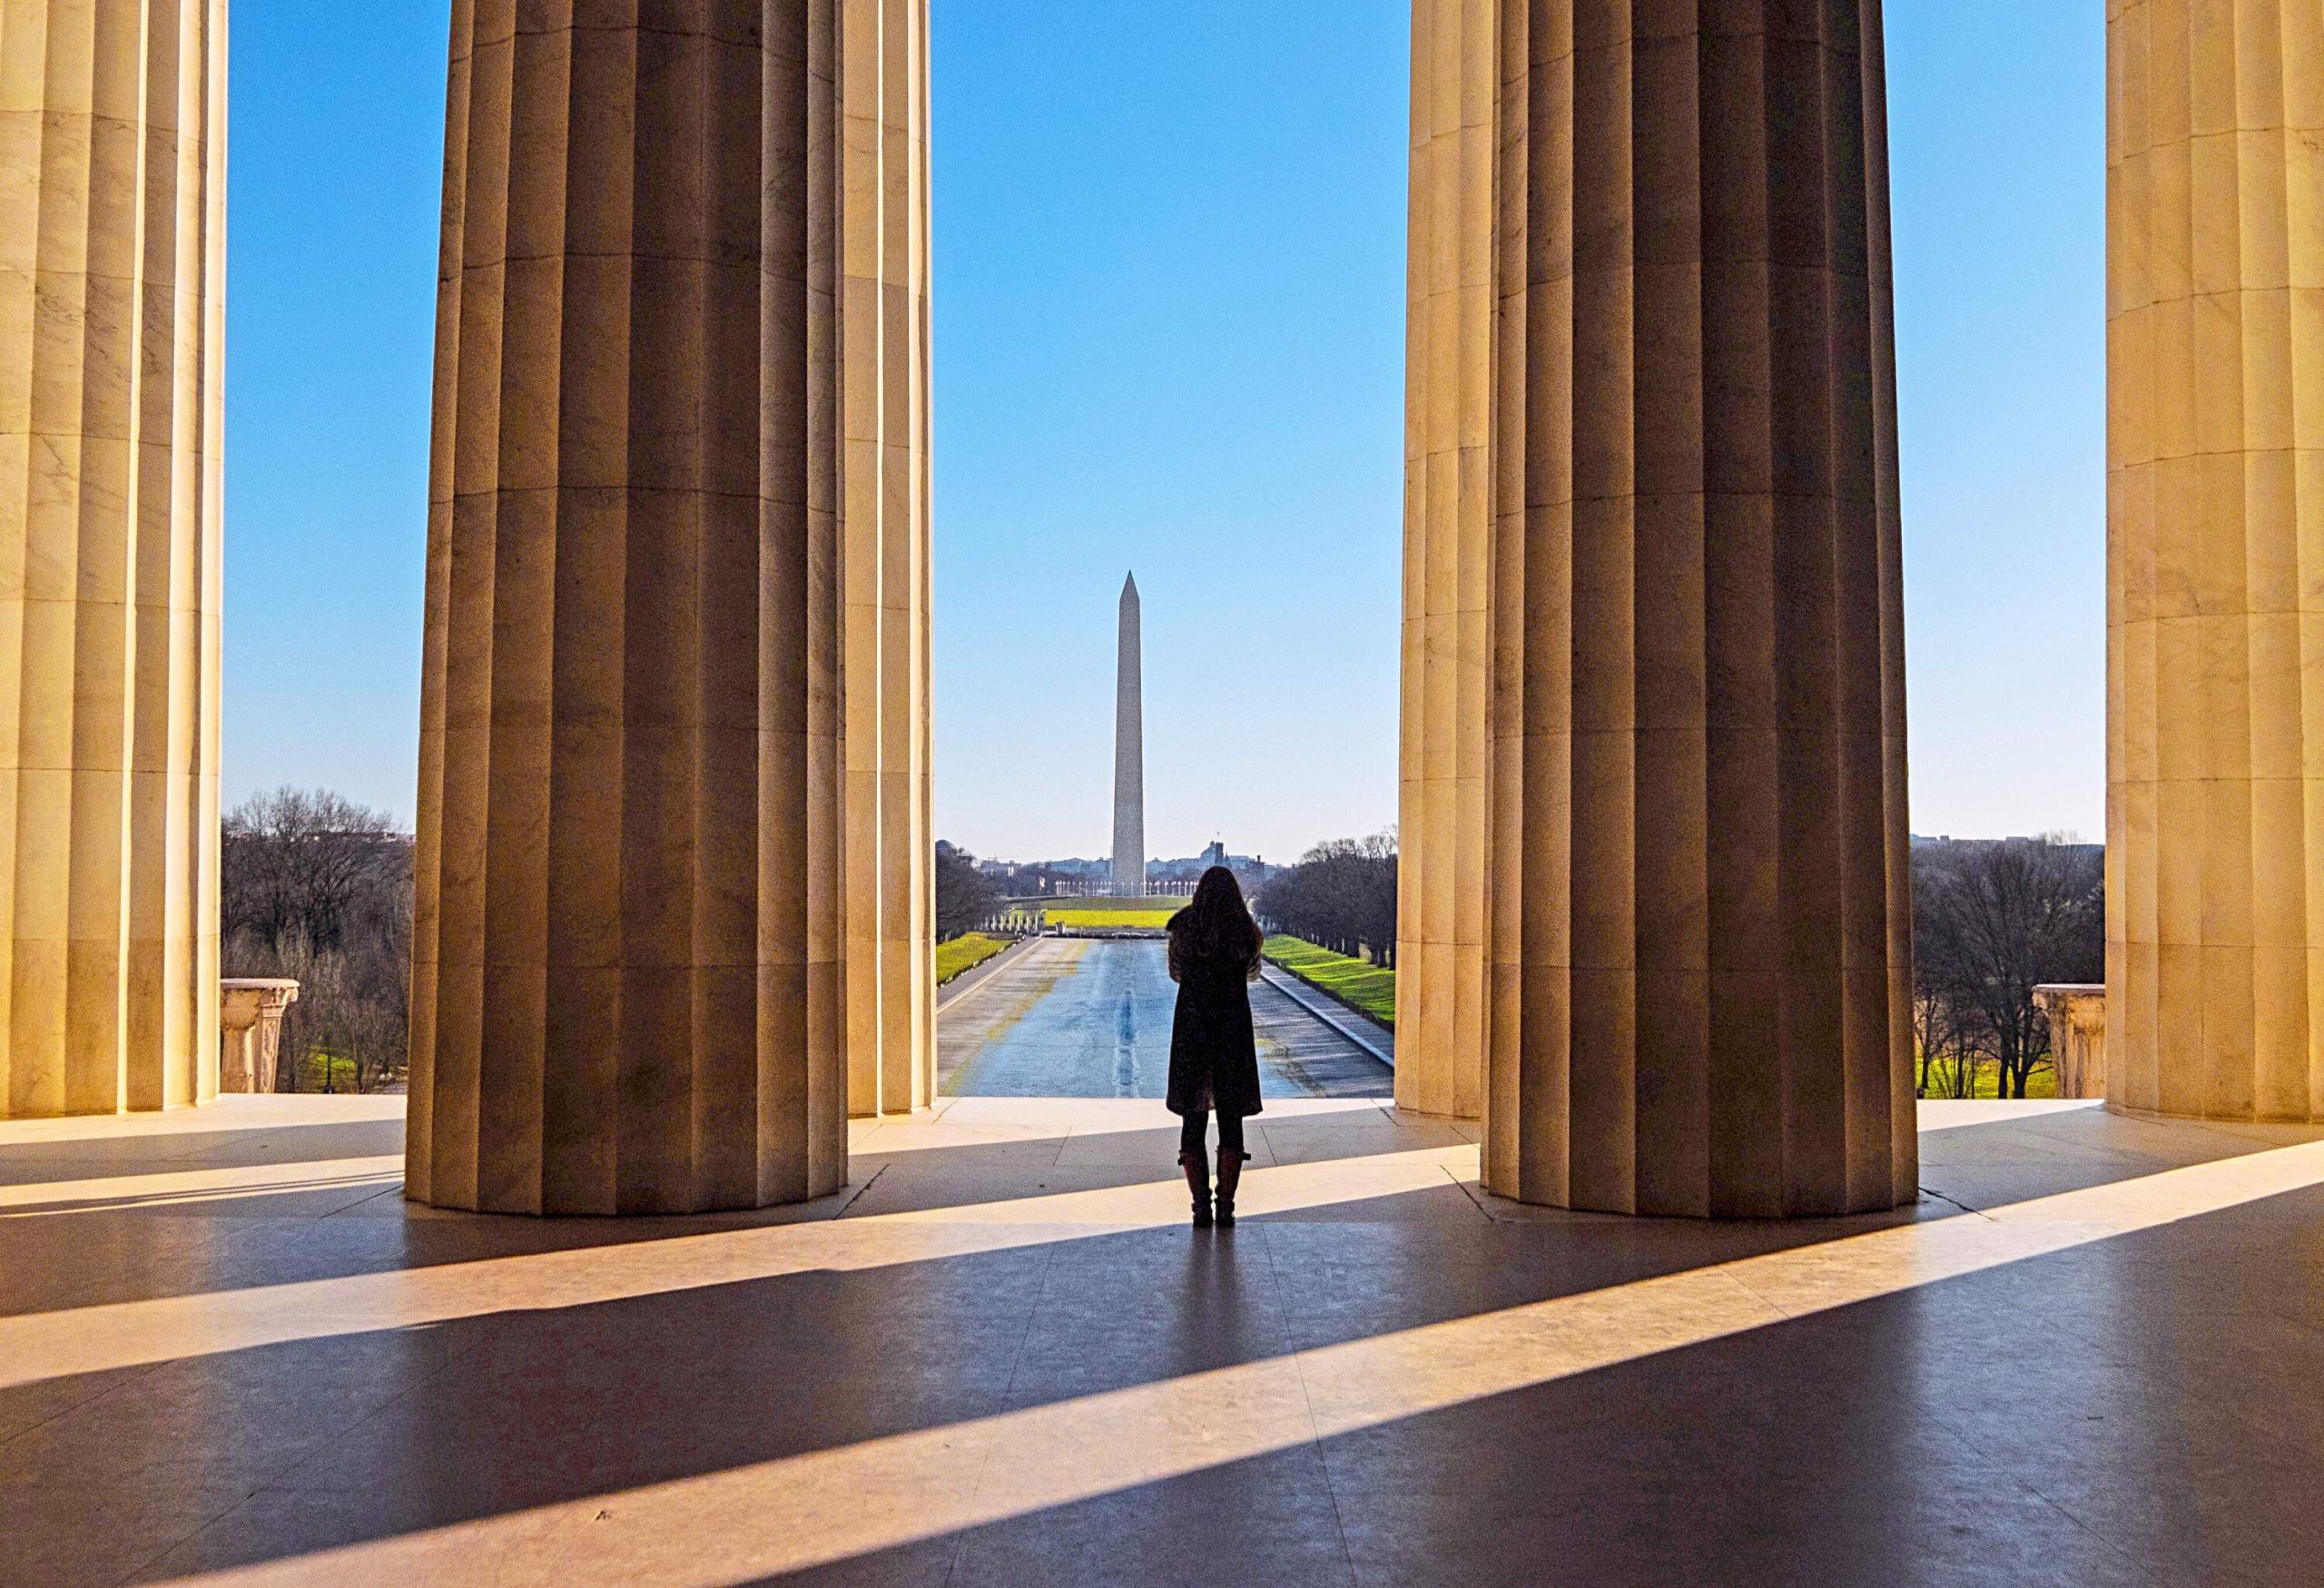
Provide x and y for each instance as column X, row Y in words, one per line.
column 372, row 1432
column 80, row 1250
column 2144, row 1412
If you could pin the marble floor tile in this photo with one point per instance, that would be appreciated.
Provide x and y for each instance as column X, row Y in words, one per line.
column 1001, row 1357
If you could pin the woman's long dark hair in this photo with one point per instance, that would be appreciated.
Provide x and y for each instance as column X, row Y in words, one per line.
column 1217, row 925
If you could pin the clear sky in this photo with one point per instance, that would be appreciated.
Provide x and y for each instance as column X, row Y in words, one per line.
column 1170, row 337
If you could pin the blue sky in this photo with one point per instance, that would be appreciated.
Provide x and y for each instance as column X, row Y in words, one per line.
column 1169, row 337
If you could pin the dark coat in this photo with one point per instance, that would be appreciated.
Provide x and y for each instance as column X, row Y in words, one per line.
column 1213, row 1056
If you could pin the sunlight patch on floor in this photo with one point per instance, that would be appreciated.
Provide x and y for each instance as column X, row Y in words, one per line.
column 980, row 1121
column 1953, row 1113
column 228, row 1114
column 835, row 1505
column 170, row 1187
column 108, row 1336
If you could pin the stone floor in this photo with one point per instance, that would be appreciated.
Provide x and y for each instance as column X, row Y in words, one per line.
column 230, row 1353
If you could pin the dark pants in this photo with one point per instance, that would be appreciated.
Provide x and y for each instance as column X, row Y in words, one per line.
column 1195, row 1125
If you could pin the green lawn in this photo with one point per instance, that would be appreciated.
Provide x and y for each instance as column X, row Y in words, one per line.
column 325, row 1072
column 1359, row 983
column 965, row 954
column 1986, row 1083
column 1113, row 915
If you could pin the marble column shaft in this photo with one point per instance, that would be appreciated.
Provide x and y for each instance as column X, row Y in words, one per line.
column 1448, row 558
column 629, row 971
column 2215, row 557
column 885, row 405
column 1696, row 905
column 112, row 269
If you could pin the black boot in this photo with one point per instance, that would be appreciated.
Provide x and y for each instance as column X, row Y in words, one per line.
column 1198, row 1181
column 1230, row 1174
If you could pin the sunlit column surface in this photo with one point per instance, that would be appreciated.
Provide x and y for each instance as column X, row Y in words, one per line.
column 1694, row 895
column 1448, row 551
column 112, row 266
column 884, row 507
column 631, row 953
column 2215, row 561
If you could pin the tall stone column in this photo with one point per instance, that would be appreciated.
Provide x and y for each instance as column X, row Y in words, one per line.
column 113, row 164
column 1695, row 898
column 884, row 515
column 2215, row 558
column 631, row 960
column 1448, row 558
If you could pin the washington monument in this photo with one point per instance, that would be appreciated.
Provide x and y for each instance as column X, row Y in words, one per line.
column 1129, row 757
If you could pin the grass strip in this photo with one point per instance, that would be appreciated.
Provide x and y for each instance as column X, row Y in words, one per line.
column 965, row 954
column 1358, row 984
column 1108, row 915
column 1111, row 919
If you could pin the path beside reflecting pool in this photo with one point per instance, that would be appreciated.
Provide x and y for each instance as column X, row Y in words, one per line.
column 1090, row 1017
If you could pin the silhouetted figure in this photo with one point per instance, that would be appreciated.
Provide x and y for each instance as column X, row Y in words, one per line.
column 1213, row 1056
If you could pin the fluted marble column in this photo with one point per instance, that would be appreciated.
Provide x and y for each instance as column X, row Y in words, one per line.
column 112, row 269
column 885, row 384
column 1695, row 900
column 2215, row 561
column 1447, row 557
column 630, row 973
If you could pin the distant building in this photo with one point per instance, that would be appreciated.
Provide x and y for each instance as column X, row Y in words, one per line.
column 1081, row 878
column 2066, row 841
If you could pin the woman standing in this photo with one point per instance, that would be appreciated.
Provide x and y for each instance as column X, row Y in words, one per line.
column 1214, row 1058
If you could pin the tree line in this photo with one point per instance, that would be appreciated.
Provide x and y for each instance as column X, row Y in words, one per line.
column 1341, row 895
column 965, row 896
column 1991, row 922
column 317, row 888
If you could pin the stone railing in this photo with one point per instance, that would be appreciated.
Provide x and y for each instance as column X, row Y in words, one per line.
column 2077, row 1015
column 249, row 1031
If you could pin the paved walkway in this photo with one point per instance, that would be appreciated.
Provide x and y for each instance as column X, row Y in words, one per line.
column 1090, row 1017
column 230, row 1356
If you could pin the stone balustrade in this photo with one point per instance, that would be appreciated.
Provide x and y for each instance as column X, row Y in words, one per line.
column 249, row 1031
column 2077, row 1015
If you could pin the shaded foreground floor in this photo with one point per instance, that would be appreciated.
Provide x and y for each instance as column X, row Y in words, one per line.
column 1090, row 1017
column 229, row 1354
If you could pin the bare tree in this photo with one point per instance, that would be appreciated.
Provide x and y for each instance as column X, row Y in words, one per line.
column 296, row 862
column 1341, row 896
column 1992, row 922
column 319, row 889
column 1948, row 1059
